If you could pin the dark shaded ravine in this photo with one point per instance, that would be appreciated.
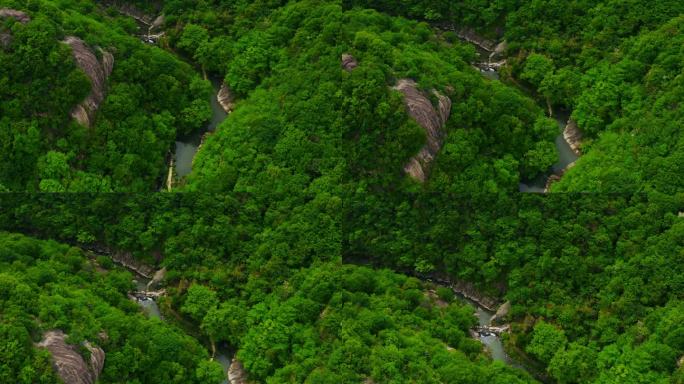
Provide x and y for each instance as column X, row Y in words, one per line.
column 187, row 146
column 566, row 155
column 490, row 340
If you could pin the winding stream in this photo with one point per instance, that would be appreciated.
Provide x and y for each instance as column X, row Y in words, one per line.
column 151, row 309
column 491, row 341
column 187, row 146
column 566, row 155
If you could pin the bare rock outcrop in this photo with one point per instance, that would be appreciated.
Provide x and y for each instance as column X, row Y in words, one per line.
column 349, row 62
column 156, row 279
column 158, row 22
column 237, row 373
column 17, row 15
column 97, row 71
column 469, row 35
column 499, row 51
column 432, row 120
column 67, row 361
column 573, row 136
column 5, row 35
column 501, row 313
column 556, row 178
column 225, row 98
column 129, row 262
column 5, row 39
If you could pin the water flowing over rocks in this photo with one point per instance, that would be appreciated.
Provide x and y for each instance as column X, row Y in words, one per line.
column 97, row 71
column 573, row 136
column 68, row 363
column 431, row 119
column 226, row 98
column 237, row 373
column 349, row 62
column 492, row 330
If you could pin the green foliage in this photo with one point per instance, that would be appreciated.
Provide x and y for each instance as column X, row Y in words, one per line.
column 45, row 285
column 547, row 340
column 149, row 101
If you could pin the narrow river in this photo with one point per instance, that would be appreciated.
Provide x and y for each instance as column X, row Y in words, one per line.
column 151, row 309
column 566, row 156
column 186, row 147
column 491, row 341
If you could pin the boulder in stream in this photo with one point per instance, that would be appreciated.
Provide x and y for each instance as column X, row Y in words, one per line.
column 431, row 119
column 68, row 362
column 97, row 71
column 499, row 51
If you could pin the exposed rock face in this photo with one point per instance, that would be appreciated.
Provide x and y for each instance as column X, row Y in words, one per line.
column 127, row 260
column 472, row 37
column 469, row 291
column 158, row 22
column 5, row 40
column 17, row 15
column 6, row 36
column 499, row 50
column 97, row 71
column 573, row 136
column 156, row 279
column 225, row 98
column 68, row 363
column 349, row 62
column 502, row 312
column 236, row 372
column 432, row 120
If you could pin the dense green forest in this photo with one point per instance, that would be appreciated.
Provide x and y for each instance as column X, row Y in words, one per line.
column 302, row 241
